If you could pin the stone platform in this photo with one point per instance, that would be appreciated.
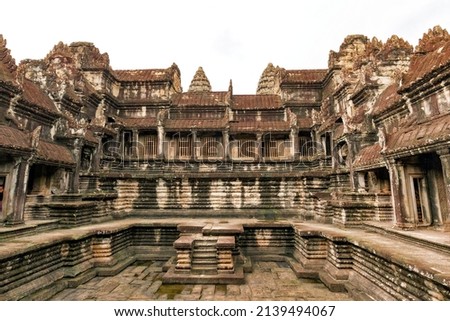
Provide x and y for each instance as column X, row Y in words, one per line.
column 373, row 262
column 207, row 254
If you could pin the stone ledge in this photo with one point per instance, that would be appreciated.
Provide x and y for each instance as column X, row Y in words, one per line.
column 223, row 229
column 191, row 227
column 184, row 242
column 173, row 277
column 226, row 242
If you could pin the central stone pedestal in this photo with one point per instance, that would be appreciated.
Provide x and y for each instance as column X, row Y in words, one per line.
column 207, row 253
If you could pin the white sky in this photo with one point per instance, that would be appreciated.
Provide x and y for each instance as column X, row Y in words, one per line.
column 231, row 39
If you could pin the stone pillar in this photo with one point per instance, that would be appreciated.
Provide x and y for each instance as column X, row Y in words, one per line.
column 259, row 155
column 226, row 144
column 161, row 139
column 97, row 154
column 102, row 250
column 17, row 193
column 74, row 178
column 400, row 199
column 183, row 245
column 444, row 155
column 225, row 246
column 135, row 144
column 294, row 143
column 194, row 155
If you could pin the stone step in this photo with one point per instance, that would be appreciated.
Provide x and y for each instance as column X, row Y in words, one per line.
column 205, row 246
column 204, row 269
column 206, row 262
column 205, row 249
column 205, row 243
column 205, row 255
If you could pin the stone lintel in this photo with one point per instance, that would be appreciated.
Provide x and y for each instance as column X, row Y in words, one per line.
column 184, row 242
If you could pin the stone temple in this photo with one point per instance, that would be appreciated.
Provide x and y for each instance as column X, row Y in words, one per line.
column 340, row 175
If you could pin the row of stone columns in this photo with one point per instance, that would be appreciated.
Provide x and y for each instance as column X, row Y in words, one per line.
column 161, row 133
column 399, row 189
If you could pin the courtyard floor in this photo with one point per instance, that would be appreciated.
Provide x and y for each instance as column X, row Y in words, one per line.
column 273, row 281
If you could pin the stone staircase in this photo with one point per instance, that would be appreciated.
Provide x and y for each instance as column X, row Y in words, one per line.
column 204, row 255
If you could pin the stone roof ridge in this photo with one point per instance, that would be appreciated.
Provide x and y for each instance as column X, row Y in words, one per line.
column 7, row 62
column 432, row 40
column 303, row 75
column 145, row 75
column 200, row 82
column 269, row 81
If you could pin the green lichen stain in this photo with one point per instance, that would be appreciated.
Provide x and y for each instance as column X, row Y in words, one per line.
column 221, row 288
column 170, row 290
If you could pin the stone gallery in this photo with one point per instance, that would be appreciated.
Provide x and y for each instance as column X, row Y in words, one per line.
column 340, row 176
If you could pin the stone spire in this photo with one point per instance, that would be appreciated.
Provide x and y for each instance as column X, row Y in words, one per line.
column 269, row 81
column 395, row 48
column 351, row 52
column 7, row 62
column 200, row 82
column 432, row 40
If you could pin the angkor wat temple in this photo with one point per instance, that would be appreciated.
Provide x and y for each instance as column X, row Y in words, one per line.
column 342, row 172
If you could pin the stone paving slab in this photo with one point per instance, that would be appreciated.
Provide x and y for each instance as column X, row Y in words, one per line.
column 266, row 282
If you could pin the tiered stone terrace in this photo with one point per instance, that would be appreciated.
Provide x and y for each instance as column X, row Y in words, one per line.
column 341, row 174
column 374, row 263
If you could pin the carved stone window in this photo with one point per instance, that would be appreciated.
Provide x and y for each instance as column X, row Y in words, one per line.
column 148, row 144
column 210, row 147
column 247, row 148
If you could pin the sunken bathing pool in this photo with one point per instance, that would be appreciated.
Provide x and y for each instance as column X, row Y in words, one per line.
column 138, row 259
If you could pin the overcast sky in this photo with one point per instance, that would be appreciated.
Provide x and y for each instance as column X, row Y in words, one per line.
column 231, row 39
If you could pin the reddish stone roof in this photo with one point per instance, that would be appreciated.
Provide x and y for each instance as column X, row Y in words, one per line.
column 149, row 75
column 259, row 126
column 436, row 130
column 33, row 94
column 369, row 157
column 304, row 122
column 338, row 131
column 201, row 99
column 307, row 76
column 432, row 52
column 54, row 153
column 257, row 102
column 421, row 65
column 388, row 98
column 147, row 122
column 180, row 124
column 90, row 136
column 13, row 138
